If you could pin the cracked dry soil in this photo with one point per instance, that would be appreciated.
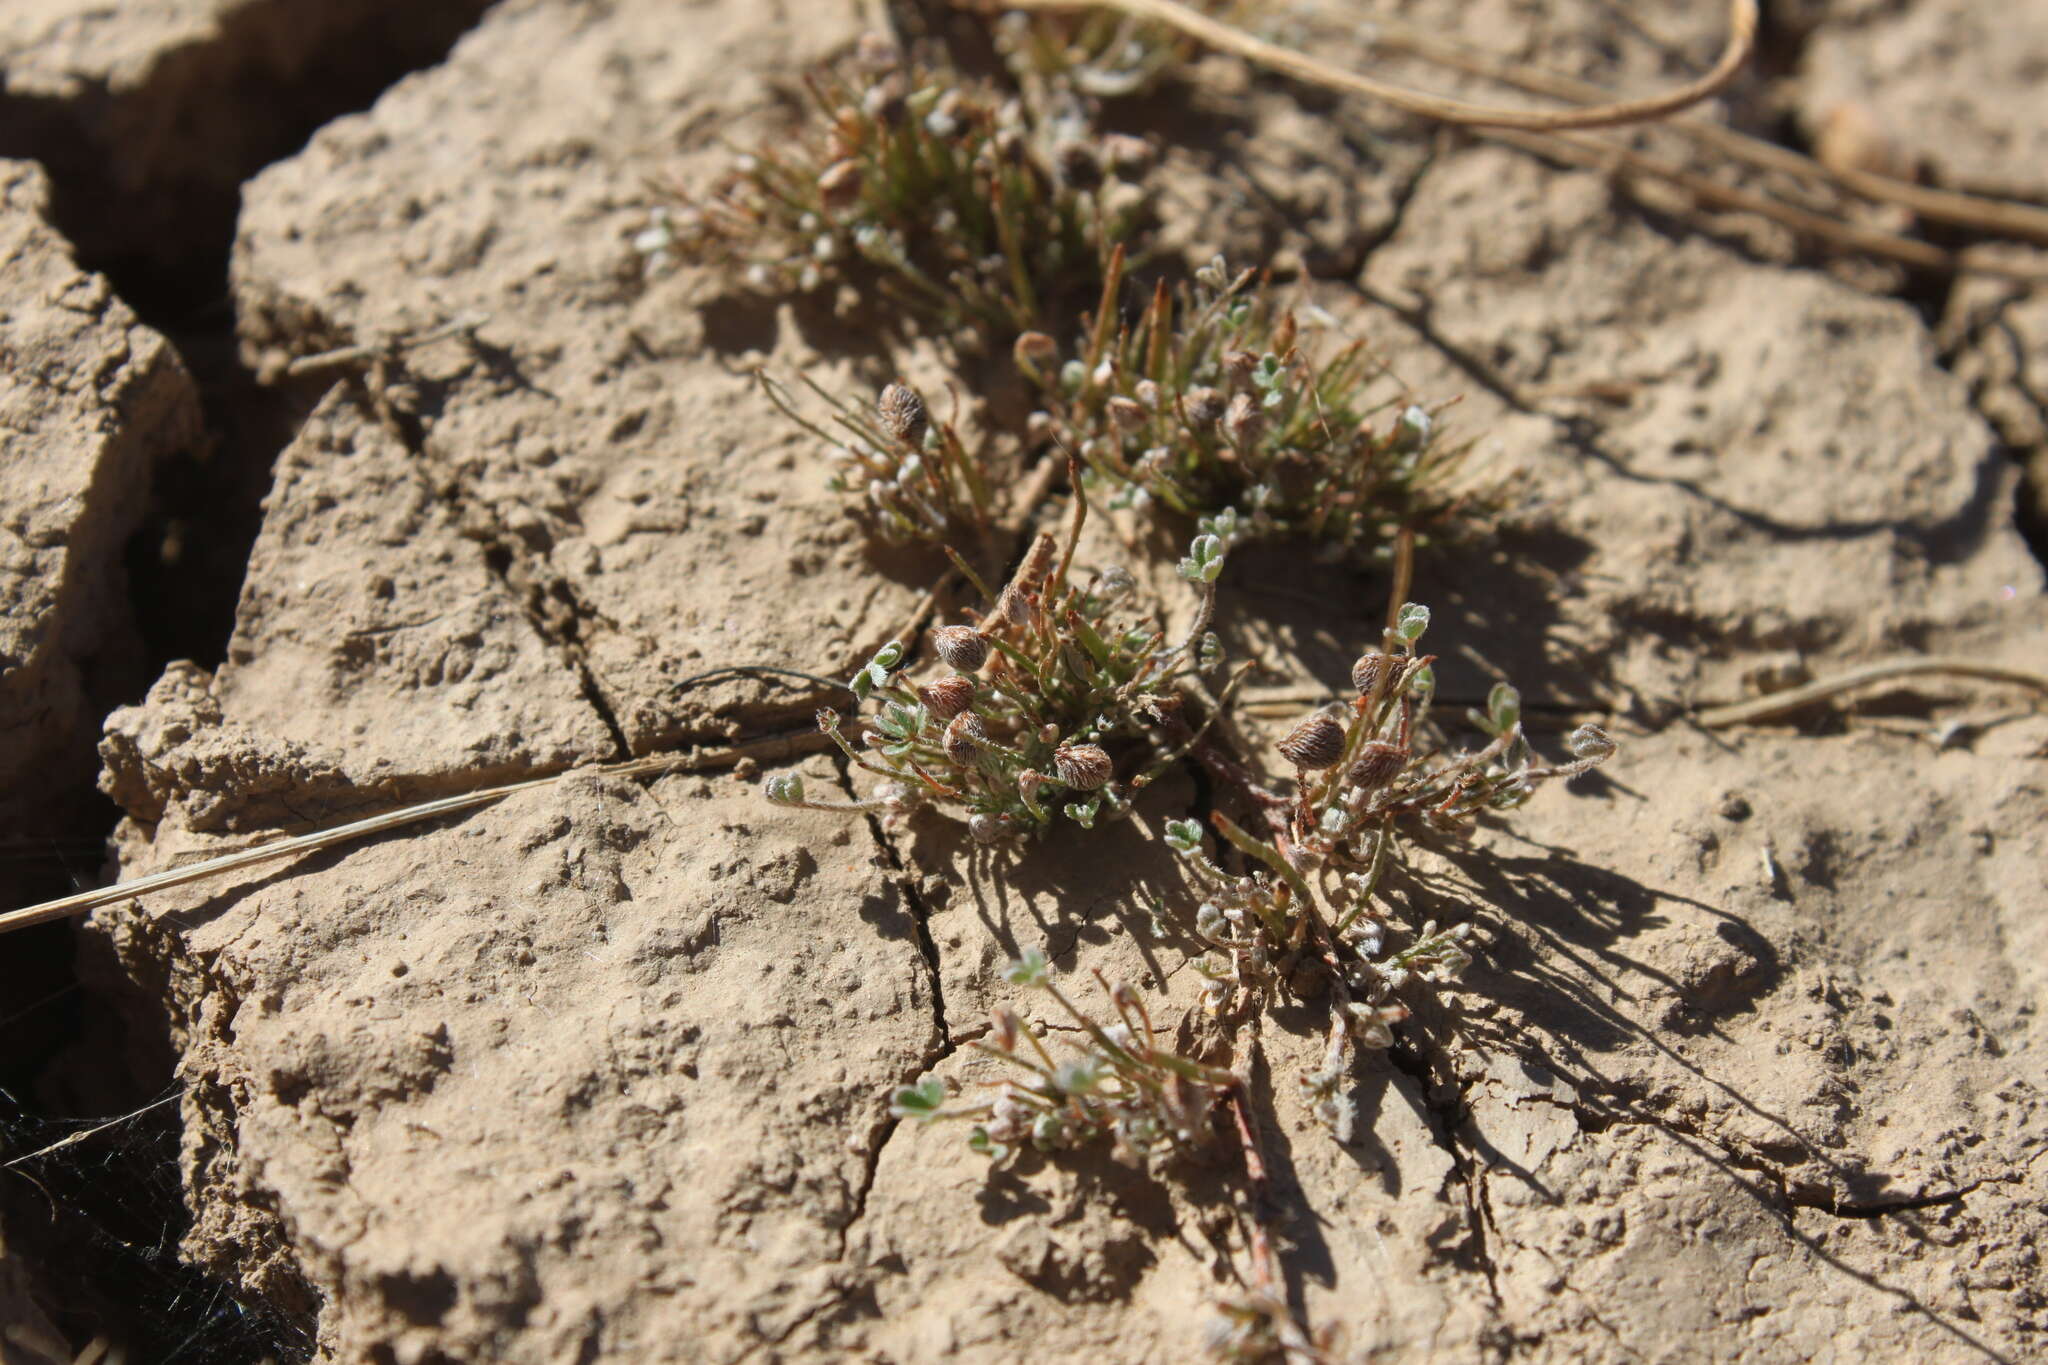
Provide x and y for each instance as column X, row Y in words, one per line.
column 1746, row 1070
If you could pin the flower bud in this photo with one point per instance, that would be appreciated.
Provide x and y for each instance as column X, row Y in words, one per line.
column 839, row 185
column 1005, row 1030
column 947, row 697
column 1317, row 742
column 1244, row 423
column 1204, row 407
column 960, row 647
column 1591, row 742
column 1240, row 366
column 1148, row 394
column 1083, row 767
column 1378, row 763
column 966, row 737
column 1372, row 672
column 903, row 415
column 1127, row 413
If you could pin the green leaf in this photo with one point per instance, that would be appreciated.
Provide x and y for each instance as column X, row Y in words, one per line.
column 922, row 1101
column 1030, row 969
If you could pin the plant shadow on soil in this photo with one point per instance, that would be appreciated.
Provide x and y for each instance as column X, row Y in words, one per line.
column 1583, row 914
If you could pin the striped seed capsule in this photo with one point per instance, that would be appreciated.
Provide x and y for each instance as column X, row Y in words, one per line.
column 1378, row 763
column 947, row 697
column 1372, row 672
column 1204, row 407
column 1083, row 767
column 903, row 414
column 966, row 737
column 1317, row 742
column 961, row 647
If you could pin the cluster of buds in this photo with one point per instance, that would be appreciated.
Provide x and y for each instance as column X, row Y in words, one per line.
column 952, row 197
column 1031, row 705
column 909, row 478
column 1116, row 1083
column 1209, row 405
column 1302, row 915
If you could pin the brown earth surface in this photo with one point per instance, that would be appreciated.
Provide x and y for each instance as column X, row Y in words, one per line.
column 1746, row 1068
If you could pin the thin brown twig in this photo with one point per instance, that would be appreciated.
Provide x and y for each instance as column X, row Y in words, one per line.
column 1742, row 19
column 1783, row 703
column 1995, row 216
column 64, row 907
column 1890, row 245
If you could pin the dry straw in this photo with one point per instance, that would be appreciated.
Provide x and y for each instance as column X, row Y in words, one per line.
column 1547, row 133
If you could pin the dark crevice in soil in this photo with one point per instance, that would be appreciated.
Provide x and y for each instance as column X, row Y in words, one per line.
column 928, row 951
column 1446, row 1113
column 1990, row 327
column 146, row 180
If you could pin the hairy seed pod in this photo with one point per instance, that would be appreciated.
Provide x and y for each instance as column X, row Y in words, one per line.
column 1283, row 334
column 1378, row 763
column 903, row 415
column 1036, row 354
column 1372, row 672
column 966, row 737
column 1127, row 413
column 1148, row 394
column 1084, row 767
column 961, row 647
column 1240, row 366
column 1244, row 423
column 839, row 185
column 947, row 697
column 1317, row 742
column 1204, row 407
column 1005, row 1029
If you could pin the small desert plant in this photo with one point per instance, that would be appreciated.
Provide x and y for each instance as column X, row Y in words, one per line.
column 1209, row 404
column 967, row 211
column 1116, row 1083
column 1303, row 915
column 1033, row 702
column 908, row 477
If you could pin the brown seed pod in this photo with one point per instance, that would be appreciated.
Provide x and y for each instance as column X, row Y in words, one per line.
column 1083, row 767
column 1240, row 366
column 1244, row 423
column 947, row 697
column 1283, row 335
column 1373, row 670
column 1204, row 407
column 903, row 415
column 965, row 738
column 1378, row 763
column 961, row 647
column 1317, row 742
column 1127, row 413
column 839, row 185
